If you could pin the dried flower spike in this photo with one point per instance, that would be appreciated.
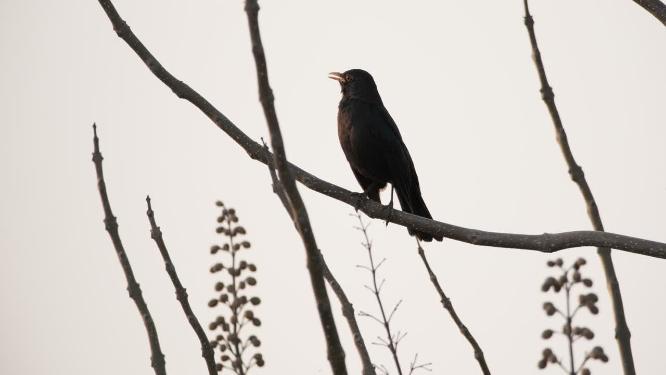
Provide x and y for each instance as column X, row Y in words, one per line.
column 234, row 347
column 568, row 280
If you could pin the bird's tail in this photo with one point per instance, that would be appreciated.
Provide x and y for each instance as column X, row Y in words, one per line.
column 411, row 201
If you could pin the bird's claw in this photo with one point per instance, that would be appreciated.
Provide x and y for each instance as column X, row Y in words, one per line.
column 389, row 207
column 359, row 200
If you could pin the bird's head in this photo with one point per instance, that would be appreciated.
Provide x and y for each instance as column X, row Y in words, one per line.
column 358, row 84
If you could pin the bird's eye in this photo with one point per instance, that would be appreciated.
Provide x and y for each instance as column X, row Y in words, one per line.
column 349, row 78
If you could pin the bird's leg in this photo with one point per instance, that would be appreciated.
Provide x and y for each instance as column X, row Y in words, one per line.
column 389, row 206
column 359, row 198
column 365, row 194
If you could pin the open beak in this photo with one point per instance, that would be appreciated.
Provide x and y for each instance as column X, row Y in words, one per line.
column 336, row 76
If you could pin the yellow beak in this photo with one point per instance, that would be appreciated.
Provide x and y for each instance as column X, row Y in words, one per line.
column 336, row 76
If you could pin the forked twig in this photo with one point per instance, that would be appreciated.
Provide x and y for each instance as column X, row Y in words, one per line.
column 347, row 307
column 111, row 225
column 622, row 333
column 297, row 210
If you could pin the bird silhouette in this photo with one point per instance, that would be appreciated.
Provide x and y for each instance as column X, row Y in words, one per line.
column 374, row 147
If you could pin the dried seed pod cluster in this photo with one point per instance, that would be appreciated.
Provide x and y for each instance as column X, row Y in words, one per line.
column 237, row 276
column 570, row 279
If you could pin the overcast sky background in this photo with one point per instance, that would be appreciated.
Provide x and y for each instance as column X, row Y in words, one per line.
column 458, row 79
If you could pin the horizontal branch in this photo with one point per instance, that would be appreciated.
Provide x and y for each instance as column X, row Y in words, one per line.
column 547, row 242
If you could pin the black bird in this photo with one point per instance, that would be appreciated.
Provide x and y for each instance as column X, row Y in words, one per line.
column 373, row 146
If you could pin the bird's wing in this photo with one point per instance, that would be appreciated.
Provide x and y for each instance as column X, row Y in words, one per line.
column 397, row 153
column 389, row 121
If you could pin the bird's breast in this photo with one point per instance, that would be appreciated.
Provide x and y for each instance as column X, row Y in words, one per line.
column 357, row 130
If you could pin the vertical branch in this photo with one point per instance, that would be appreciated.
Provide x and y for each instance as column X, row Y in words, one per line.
column 235, row 306
column 111, row 225
column 446, row 303
column 181, row 292
column 569, row 329
column 347, row 307
column 336, row 355
column 622, row 333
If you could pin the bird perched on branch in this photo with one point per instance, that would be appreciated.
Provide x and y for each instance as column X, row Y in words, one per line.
column 373, row 146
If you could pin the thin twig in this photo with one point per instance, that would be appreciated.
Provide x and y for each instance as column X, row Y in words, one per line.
column 391, row 341
column 582, row 364
column 446, row 303
column 347, row 307
column 655, row 7
column 336, row 355
column 111, row 225
column 569, row 330
column 546, row 243
column 622, row 333
column 235, row 309
column 348, row 313
column 181, row 292
column 418, row 366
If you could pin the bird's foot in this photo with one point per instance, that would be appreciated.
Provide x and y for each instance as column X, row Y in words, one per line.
column 359, row 199
column 389, row 207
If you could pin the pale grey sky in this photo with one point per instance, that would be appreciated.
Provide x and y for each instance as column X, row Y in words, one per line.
column 456, row 76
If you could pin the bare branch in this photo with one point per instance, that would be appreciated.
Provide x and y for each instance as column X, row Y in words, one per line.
column 157, row 358
column 418, row 366
column 395, row 308
column 298, row 212
column 368, row 315
column 347, row 307
column 622, row 333
column 655, row 7
column 546, row 243
column 181, row 292
column 348, row 313
column 446, row 303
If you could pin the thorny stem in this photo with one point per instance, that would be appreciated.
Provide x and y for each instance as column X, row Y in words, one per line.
column 391, row 341
column 622, row 333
